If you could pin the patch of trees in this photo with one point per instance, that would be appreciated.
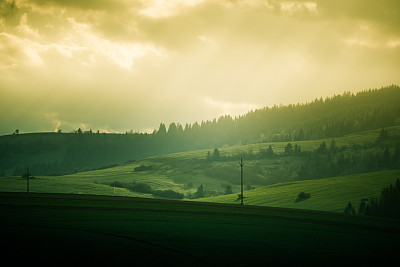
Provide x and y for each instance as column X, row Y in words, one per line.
column 321, row 118
column 200, row 193
column 216, row 155
column 388, row 204
column 331, row 161
column 292, row 150
column 262, row 153
column 328, row 159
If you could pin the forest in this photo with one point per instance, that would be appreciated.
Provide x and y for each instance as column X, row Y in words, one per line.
column 61, row 153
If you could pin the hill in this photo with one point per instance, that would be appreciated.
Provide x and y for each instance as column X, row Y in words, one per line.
column 333, row 117
column 328, row 194
column 48, row 229
column 181, row 175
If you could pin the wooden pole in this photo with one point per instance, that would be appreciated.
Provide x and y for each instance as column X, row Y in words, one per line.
column 27, row 180
column 241, row 179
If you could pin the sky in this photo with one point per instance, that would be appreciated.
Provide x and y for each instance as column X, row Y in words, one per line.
column 120, row 65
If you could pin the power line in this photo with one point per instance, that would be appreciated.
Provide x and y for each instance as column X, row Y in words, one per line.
column 241, row 163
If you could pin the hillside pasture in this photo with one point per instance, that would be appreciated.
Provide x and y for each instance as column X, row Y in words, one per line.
column 184, row 172
column 328, row 194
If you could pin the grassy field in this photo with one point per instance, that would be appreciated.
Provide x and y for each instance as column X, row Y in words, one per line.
column 184, row 172
column 60, row 229
column 329, row 194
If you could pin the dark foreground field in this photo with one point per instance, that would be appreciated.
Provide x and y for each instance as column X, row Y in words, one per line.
column 59, row 229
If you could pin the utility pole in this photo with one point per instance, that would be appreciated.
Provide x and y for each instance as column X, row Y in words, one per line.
column 241, row 179
column 27, row 180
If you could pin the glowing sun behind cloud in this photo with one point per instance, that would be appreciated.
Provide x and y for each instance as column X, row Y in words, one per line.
column 117, row 65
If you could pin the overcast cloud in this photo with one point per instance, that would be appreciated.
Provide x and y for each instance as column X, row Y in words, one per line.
column 116, row 65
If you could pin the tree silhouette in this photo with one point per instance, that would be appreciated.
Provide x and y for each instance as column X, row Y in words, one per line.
column 162, row 130
column 172, row 129
column 297, row 149
column 322, row 149
column 332, row 147
column 228, row 190
column 200, row 192
column 216, row 154
column 349, row 210
column 288, row 149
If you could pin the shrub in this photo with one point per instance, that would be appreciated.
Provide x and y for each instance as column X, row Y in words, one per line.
column 117, row 184
column 168, row 194
column 303, row 196
column 143, row 168
column 135, row 187
column 142, row 188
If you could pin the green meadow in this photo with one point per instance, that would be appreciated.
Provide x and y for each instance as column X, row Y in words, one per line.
column 272, row 180
column 328, row 194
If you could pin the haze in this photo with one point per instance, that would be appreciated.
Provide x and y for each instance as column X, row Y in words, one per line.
column 117, row 65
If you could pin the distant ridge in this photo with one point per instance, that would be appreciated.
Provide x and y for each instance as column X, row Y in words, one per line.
column 322, row 118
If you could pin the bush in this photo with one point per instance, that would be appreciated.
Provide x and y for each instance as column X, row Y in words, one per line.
column 117, row 184
column 303, row 196
column 168, row 194
column 135, row 187
column 142, row 188
column 143, row 168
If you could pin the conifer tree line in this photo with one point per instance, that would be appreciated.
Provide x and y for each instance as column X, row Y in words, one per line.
column 321, row 118
column 59, row 153
column 387, row 205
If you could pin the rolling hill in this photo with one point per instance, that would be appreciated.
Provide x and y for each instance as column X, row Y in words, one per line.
column 330, row 118
column 328, row 194
column 184, row 172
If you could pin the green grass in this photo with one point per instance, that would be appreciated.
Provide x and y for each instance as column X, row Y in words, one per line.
column 329, row 194
column 184, row 172
column 85, row 229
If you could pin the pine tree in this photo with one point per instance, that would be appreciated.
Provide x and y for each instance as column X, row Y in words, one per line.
column 288, row 149
column 349, row 210
column 216, row 153
column 332, row 147
column 228, row 190
column 200, row 192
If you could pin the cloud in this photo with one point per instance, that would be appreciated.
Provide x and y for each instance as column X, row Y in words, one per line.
column 296, row 7
column 25, row 30
column 106, row 5
column 120, row 64
column 96, row 46
column 15, row 51
column 166, row 8
column 227, row 108
column 385, row 13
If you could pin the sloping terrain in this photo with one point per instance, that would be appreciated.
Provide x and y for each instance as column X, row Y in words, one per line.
column 185, row 172
column 328, row 194
column 60, row 229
